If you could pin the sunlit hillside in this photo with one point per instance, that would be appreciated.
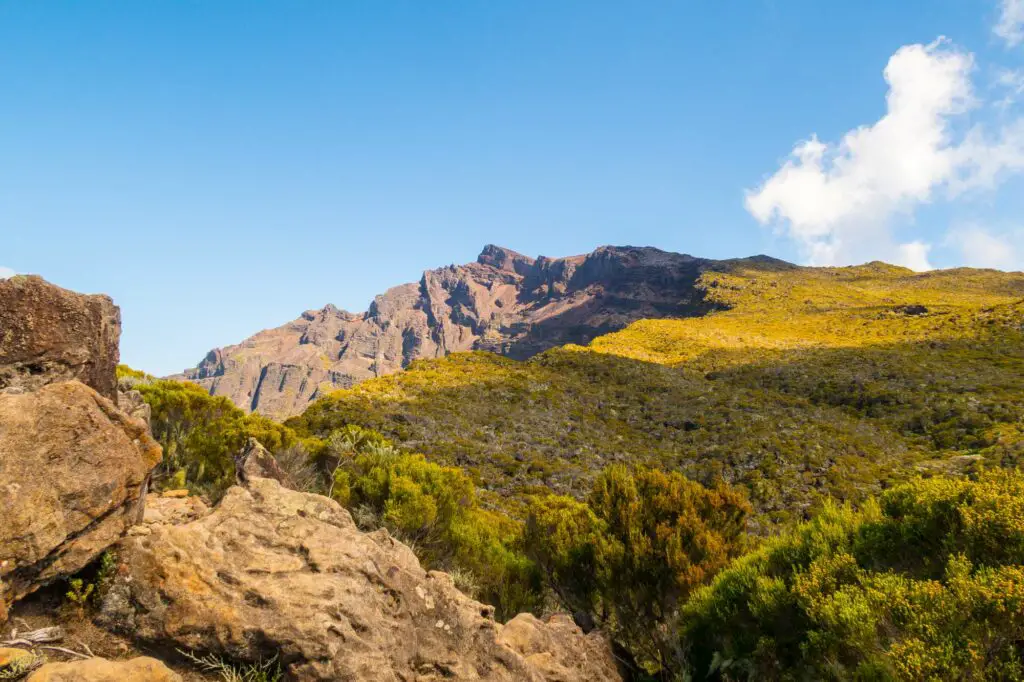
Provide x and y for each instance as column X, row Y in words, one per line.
column 938, row 357
column 769, row 307
column 806, row 383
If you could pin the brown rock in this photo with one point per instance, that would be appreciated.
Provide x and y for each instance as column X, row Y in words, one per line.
column 50, row 334
column 142, row 669
column 180, row 492
column 174, row 510
column 72, row 475
column 272, row 571
column 255, row 461
column 505, row 303
column 557, row 649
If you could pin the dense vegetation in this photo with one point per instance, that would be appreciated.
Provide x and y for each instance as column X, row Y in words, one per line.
column 630, row 556
column 937, row 357
column 434, row 509
column 553, row 423
column 927, row 584
column 813, row 482
column 200, row 434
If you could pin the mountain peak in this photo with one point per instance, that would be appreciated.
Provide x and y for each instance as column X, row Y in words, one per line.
column 506, row 303
column 504, row 259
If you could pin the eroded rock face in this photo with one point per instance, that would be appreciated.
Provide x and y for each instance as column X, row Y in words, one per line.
column 505, row 303
column 142, row 669
column 162, row 509
column 72, row 474
column 272, row 571
column 50, row 334
column 255, row 461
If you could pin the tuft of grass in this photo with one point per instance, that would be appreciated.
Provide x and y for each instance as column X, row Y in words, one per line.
column 465, row 581
column 229, row 671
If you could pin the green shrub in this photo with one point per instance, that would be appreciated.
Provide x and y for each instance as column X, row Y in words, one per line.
column 435, row 510
column 201, row 435
column 632, row 555
column 926, row 585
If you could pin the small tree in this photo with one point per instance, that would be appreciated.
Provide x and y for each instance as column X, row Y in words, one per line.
column 633, row 554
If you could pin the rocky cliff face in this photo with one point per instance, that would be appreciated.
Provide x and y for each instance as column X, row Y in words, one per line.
column 505, row 302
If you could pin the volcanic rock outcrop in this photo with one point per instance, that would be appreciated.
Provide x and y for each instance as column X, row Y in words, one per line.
column 274, row 572
column 50, row 334
column 73, row 467
column 505, row 303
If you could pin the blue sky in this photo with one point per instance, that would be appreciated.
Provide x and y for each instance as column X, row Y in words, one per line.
column 219, row 167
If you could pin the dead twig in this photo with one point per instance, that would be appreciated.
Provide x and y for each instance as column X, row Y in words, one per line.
column 33, row 637
column 70, row 652
column 86, row 647
column 16, row 642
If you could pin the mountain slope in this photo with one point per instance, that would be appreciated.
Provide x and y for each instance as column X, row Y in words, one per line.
column 505, row 302
column 802, row 383
column 552, row 423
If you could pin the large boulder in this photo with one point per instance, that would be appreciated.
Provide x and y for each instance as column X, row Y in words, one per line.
column 73, row 470
column 49, row 334
column 274, row 572
column 142, row 669
column 73, row 467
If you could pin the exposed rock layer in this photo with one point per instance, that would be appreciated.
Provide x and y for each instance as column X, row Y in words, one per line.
column 272, row 571
column 50, row 334
column 505, row 302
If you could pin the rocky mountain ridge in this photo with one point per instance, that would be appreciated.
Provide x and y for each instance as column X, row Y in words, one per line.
column 504, row 302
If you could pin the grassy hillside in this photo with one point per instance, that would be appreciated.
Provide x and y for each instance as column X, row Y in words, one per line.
column 555, row 421
column 808, row 383
column 937, row 357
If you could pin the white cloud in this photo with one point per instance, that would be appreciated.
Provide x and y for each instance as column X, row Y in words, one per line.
column 914, row 255
column 1011, row 82
column 6, row 272
column 837, row 200
column 979, row 248
column 1010, row 26
column 981, row 158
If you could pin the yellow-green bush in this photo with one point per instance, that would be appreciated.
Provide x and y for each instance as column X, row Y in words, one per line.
column 632, row 555
column 201, row 435
column 435, row 509
column 928, row 584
